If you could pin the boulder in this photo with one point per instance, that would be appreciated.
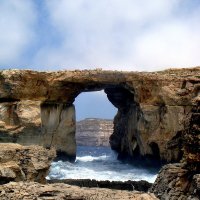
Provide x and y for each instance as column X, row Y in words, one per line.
column 24, row 163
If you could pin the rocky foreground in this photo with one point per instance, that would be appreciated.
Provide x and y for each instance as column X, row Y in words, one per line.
column 142, row 186
column 60, row 191
column 24, row 163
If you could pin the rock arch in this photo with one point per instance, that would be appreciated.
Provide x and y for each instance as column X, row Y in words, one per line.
column 37, row 107
column 58, row 121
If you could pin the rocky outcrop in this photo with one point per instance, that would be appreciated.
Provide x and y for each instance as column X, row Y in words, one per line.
column 182, row 180
column 176, row 182
column 94, row 132
column 30, row 190
column 24, row 163
column 151, row 108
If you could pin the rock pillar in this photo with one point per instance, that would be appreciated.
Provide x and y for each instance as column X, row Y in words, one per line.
column 58, row 128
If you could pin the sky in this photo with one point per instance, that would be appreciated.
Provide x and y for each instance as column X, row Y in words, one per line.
column 94, row 105
column 131, row 35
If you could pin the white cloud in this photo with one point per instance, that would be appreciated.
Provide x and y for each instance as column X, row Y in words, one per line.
column 109, row 34
column 17, row 18
column 124, row 35
column 174, row 44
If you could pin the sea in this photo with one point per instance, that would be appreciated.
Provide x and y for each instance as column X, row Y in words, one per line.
column 100, row 163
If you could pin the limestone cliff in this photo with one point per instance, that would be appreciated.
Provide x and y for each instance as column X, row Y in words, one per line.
column 151, row 108
column 94, row 132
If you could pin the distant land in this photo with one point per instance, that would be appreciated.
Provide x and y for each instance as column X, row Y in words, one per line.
column 94, row 132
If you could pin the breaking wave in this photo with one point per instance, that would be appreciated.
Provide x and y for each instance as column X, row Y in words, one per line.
column 99, row 163
column 91, row 158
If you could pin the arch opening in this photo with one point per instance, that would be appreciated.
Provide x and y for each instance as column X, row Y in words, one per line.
column 94, row 119
column 95, row 158
column 125, row 121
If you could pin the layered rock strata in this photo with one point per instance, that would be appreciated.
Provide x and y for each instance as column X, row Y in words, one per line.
column 151, row 108
column 94, row 132
column 24, row 163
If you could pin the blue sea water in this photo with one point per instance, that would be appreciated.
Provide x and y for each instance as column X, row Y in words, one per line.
column 99, row 163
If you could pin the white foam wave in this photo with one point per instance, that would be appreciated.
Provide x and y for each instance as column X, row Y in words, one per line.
column 61, row 172
column 91, row 158
column 104, row 166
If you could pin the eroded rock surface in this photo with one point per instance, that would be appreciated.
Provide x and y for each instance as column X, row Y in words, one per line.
column 182, row 180
column 176, row 182
column 24, row 163
column 94, row 132
column 20, row 121
column 30, row 191
column 151, row 108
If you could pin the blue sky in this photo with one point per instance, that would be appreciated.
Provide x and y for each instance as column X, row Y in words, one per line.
column 94, row 104
column 131, row 35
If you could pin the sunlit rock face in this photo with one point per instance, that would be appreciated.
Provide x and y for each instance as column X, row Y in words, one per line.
column 20, row 122
column 37, row 107
column 32, row 122
column 58, row 128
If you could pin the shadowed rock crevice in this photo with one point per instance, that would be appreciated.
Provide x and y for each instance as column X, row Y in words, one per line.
column 126, row 138
column 121, row 140
column 155, row 150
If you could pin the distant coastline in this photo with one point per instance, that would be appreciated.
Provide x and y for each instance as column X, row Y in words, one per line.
column 94, row 132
